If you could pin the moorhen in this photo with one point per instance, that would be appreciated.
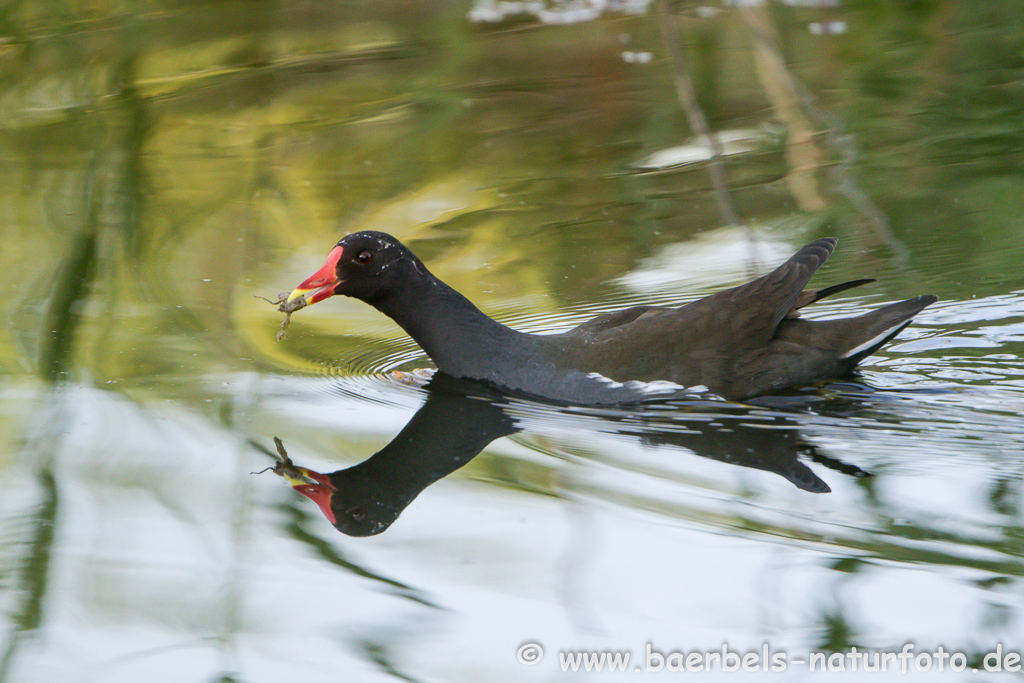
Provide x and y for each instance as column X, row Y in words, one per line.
column 738, row 343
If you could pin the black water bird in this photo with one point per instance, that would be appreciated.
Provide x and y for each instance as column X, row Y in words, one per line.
column 737, row 343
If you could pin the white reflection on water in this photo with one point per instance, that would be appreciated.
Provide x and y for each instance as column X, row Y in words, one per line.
column 712, row 258
column 570, row 12
column 698, row 150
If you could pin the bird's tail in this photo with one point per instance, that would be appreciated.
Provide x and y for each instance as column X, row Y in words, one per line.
column 872, row 330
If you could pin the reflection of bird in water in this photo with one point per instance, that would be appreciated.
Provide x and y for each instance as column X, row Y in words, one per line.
column 738, row 343
column 460, row 418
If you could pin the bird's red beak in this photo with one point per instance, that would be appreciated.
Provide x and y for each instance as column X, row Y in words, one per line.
column 319, row 493
column 320, row 284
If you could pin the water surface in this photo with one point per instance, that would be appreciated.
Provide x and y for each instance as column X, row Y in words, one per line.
column 167, row 163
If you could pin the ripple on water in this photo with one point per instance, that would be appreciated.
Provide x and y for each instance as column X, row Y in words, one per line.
column 383, row 372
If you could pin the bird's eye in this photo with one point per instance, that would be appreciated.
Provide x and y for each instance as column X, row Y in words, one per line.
column 356, row 513
column 364, row 257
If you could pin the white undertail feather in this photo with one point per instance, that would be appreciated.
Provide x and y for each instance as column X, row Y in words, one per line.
column 877, row 339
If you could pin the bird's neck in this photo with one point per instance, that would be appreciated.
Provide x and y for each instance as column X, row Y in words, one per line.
column 460, row 339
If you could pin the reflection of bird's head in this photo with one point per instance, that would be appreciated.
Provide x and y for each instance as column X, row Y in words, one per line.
column 319, row 493
column 355, row 503
column 363, row 518
column 457, row 421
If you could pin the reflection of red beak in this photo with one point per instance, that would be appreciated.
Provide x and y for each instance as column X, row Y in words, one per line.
column 319, row 493
column 320, row 284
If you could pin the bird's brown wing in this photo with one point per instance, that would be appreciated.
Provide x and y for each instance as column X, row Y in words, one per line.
column 609, row 321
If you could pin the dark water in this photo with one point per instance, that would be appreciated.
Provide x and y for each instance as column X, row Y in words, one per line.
column 166, row 163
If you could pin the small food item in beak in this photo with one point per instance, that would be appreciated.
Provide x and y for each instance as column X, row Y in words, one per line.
column 284, row 467
column 287, row 307
column 313, row 485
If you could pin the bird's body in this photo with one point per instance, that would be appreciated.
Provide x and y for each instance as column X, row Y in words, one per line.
column 738, row 343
